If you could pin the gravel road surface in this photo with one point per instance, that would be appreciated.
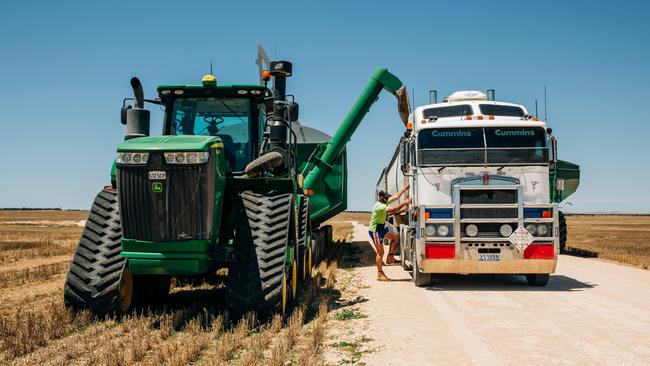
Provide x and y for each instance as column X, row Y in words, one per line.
column 591, row 312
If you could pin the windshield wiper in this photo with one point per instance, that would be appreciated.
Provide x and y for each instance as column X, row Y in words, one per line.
column 500, row 169
column 441, row 169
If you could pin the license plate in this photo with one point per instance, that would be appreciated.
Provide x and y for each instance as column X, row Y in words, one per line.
column 156, row 175
column 489, row 257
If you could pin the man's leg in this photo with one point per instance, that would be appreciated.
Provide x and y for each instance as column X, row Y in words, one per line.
column 379, row 246
column 394, row 242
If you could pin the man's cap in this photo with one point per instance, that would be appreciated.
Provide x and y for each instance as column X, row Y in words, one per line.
column 384, row 194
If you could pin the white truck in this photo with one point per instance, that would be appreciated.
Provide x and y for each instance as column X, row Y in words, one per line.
column 485, row 187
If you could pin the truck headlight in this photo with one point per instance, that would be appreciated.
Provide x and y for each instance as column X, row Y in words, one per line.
column 132, row 158
column 443, row 230
column 192, row 157
column 505, row 230
column 430, row 229
column 532, row 229
column 542, row 230
column 471, row 230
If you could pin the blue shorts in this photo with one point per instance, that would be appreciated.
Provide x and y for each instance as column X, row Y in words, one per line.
column 381, row 232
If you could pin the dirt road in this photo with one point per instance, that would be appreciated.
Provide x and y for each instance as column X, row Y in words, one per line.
column 591, row 312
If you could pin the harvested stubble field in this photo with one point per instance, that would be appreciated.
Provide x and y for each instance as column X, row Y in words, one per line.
column 620, row 238
column 35, row 328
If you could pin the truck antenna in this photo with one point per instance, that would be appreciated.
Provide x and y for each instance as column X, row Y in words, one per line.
column 210, row 67
column 413, row 101
column 545, row 117
column 536, row 109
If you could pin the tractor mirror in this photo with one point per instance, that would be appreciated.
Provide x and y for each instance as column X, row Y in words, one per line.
column 123, row 111
column 293, row 112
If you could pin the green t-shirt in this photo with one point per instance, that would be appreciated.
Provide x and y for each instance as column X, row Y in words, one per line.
column 378, row 215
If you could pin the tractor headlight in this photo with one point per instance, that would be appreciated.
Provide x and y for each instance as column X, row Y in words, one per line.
column 443, row 230
column 430, row 229
column 193, row 157
column 132, row 158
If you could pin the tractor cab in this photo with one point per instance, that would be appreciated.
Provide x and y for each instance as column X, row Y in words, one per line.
column 234, row 113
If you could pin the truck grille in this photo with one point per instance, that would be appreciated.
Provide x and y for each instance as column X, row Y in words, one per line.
column 182, row 211
column 488, row 196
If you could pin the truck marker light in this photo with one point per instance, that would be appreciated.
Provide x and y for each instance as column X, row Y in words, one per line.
column 409, row 126
column 547, row 214
column 427, row 215
column 423, row 121
column 439, row 251
column 490, row 117
column 308, row 192
column 469, row 118
column 179, row 92
column 479, row 117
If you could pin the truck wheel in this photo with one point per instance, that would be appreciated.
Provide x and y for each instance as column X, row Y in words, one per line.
column 99, row 278
column 563, row 231
column 420, row 279
column 538, row 279
column 258, row 278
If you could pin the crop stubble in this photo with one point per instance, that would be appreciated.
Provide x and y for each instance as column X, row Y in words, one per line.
column 35, row 327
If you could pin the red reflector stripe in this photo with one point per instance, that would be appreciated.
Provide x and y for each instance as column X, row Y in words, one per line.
column 546, row 214
column 440, row 251
column 539, row 251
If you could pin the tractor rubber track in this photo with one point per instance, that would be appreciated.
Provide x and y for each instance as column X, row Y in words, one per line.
column 261, row 238
column 93, row 280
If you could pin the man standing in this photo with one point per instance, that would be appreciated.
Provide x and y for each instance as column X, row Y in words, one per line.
column 378, row 230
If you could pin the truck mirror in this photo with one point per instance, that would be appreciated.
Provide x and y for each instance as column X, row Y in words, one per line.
column 404, row 156
column 293, row 112
column 123, row 111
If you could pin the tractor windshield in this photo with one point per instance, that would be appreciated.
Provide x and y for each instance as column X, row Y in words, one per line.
column 482, row 146
column 227, row 118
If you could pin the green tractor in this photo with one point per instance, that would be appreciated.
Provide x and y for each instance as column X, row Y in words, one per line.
column 222, row 187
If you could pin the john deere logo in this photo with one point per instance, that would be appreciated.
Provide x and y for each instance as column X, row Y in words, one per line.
column 157, row 187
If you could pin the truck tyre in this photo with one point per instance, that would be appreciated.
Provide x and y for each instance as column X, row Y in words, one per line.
column 259, row 278
column 99, row 278
column 563, row 231
column 538, row 279
column 420, row 279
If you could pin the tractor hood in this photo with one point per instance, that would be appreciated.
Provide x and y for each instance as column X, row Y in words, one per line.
column 169, row 143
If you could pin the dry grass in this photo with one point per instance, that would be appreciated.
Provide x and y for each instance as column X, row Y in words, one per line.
column 38, row 215
column 624, row 239
column 35, row 327
column 26, row 329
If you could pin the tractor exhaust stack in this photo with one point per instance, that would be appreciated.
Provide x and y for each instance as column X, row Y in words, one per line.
column 137, row 118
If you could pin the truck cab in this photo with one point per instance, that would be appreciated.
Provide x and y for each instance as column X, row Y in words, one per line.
column 483, row 176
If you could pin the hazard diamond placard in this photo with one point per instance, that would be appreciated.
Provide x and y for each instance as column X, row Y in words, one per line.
column 521, row 238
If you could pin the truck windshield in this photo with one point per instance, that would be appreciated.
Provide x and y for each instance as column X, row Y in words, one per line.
column 482, row 146
column 227, row 118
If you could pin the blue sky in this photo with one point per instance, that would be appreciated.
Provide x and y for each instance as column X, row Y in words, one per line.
column 65, row 67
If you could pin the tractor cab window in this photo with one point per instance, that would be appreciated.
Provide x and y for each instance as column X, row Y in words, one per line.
column 227, row 118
